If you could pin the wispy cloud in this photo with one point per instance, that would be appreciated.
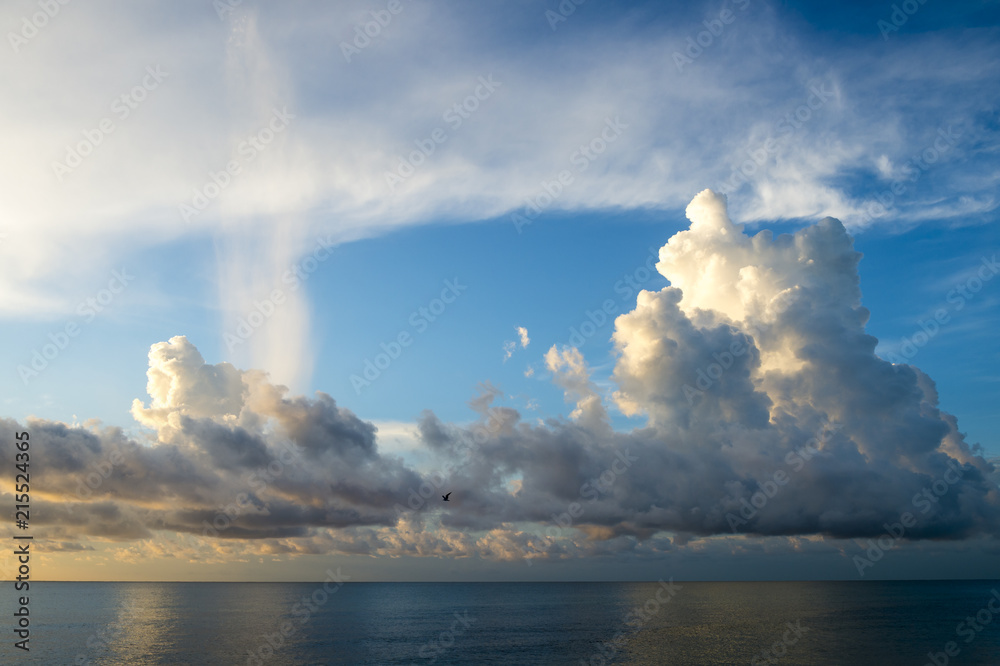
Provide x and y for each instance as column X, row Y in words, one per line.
column 325, row 173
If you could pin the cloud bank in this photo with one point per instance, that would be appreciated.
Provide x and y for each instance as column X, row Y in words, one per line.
column 767, row 413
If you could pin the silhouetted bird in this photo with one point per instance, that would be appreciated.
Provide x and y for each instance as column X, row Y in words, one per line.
column 445, row 497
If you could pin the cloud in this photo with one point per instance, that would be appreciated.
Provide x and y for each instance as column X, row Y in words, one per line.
column 219, row 437
column 755, row 356
column 326, row 174
column 753, row 370
column 569, row 371
column 510, row 346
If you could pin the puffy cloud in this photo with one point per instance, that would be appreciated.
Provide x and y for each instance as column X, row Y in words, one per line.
column 768, row 414
column 753, row 363
column 228, row 455
column 181, row 383
column 522, row 334
column 570, row 371
column 510, row 345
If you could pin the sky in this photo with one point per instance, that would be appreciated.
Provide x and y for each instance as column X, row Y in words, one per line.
column 654, row 289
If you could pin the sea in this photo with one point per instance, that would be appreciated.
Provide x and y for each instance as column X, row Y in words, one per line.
column 897, row 622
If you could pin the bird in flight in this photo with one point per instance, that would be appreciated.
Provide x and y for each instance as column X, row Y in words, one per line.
column 445, row 497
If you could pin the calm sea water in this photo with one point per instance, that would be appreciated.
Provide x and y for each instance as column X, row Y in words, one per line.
column 508, row 623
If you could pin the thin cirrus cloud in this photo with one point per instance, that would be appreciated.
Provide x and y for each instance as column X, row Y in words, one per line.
column 327, row 172
column 734, row 382
column 349, row 126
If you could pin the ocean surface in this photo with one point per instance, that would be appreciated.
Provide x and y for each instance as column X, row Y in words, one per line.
column 508, row 623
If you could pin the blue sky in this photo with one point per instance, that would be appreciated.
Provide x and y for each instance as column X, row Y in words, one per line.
column 546, row 279
column 244, row 147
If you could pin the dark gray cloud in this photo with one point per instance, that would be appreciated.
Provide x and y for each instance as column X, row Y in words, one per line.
column 768, row 414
